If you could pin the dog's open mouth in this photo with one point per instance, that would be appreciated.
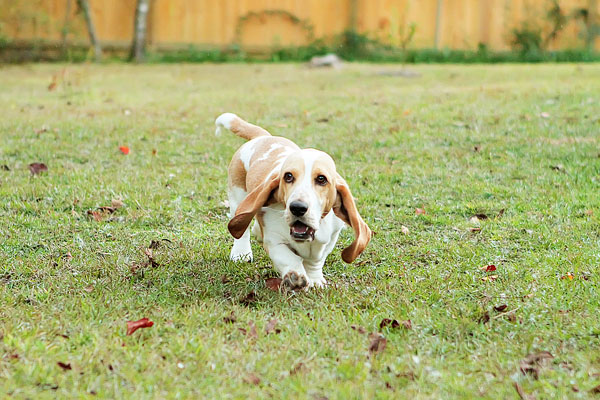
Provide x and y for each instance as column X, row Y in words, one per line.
column 300, row 231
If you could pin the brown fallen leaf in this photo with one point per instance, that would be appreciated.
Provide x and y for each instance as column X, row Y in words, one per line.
column 117, row 203
column 37, row 168
column 378, row 342
column 250, row 298
column 89, row 288
column 133, row 326
column 65, row 366
column 407, row 324
column 485, row 318
column 589, row 213
column 480, row 216
column 273, row 284
column 533, row 362
column 595, row 390
column 358, row 328
column 388, row 322
column 230, row 319
column 475, row 229
column 4, row 167
column 500, row 308
column 271, row 327
column 252, row 379
column 96, row 215
column 252, row 334
column 297, row 368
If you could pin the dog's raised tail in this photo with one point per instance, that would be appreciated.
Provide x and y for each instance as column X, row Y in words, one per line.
column 238, row 126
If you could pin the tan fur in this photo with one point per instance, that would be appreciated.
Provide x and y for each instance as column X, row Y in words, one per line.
column 247, row 130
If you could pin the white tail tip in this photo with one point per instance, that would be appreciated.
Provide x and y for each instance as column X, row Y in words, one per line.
column 224, row 121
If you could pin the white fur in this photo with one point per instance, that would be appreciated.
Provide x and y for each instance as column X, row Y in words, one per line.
column 241, row 250
column 224, row 121
column 305, row 258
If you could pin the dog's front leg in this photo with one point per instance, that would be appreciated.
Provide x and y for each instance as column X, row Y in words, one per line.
column 315, row 273
column 289, row 266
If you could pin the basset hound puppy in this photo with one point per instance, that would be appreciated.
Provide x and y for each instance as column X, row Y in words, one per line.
column 298, row 199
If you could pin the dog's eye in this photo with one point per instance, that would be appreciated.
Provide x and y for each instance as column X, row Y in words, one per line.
column 321, row 180
column 288, row 177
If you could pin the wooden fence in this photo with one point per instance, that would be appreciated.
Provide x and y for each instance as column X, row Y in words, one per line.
column 456, row 24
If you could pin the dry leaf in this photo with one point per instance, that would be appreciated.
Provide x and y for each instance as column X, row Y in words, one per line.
column 65, row 366
column 589, row 213
column 568, row 276
column 252, row 379
column 533, row 362
column 500, row 308
column 249, row 299
column 252, row 334
column 133, row 326
column 117, row 203
column 297, row 368
column 271, row 327
column 4, row 167
column 488, row 268
column 124, row 149
column 230, row 319
column 378, row 342
column 37, row 168
column 404, row 230
column 595, row 390
column 273, row 284
column 388, row 322
column 89, row 288
column 420, row 211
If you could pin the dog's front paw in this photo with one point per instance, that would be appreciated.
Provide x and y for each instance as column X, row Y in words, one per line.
column 318, row 282
column 240, row 256
column 295, row 281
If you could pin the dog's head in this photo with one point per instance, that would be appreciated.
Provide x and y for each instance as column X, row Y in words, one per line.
column 309, row 187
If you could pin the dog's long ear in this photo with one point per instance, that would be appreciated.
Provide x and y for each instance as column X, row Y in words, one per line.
column 345, row 209
column 248, row 208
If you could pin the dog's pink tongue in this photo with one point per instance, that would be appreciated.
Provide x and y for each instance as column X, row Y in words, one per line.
column 300, row 228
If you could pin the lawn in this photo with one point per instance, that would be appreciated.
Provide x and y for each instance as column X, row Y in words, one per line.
column 517, row 145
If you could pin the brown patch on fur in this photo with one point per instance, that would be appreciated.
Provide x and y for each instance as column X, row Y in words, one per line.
column 236, row 172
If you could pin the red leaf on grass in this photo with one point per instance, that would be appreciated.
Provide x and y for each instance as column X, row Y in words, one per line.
column 133, row 326
column 388, row 322
column 488, row 268
column 64, row 366
column 420, row 211
column 124, row 149
column 36, row 168
column 273, row 284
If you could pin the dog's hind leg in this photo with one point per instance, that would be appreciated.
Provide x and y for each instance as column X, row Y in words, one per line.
column 241, row 250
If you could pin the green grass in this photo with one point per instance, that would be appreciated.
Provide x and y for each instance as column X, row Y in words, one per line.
column 401, row 144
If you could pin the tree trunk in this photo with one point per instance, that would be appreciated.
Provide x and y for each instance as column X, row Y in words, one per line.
column 138, row 46
column 65, row 30
column 85, row 7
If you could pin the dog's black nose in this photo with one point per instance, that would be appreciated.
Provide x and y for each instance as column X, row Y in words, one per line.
column 298, row 208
